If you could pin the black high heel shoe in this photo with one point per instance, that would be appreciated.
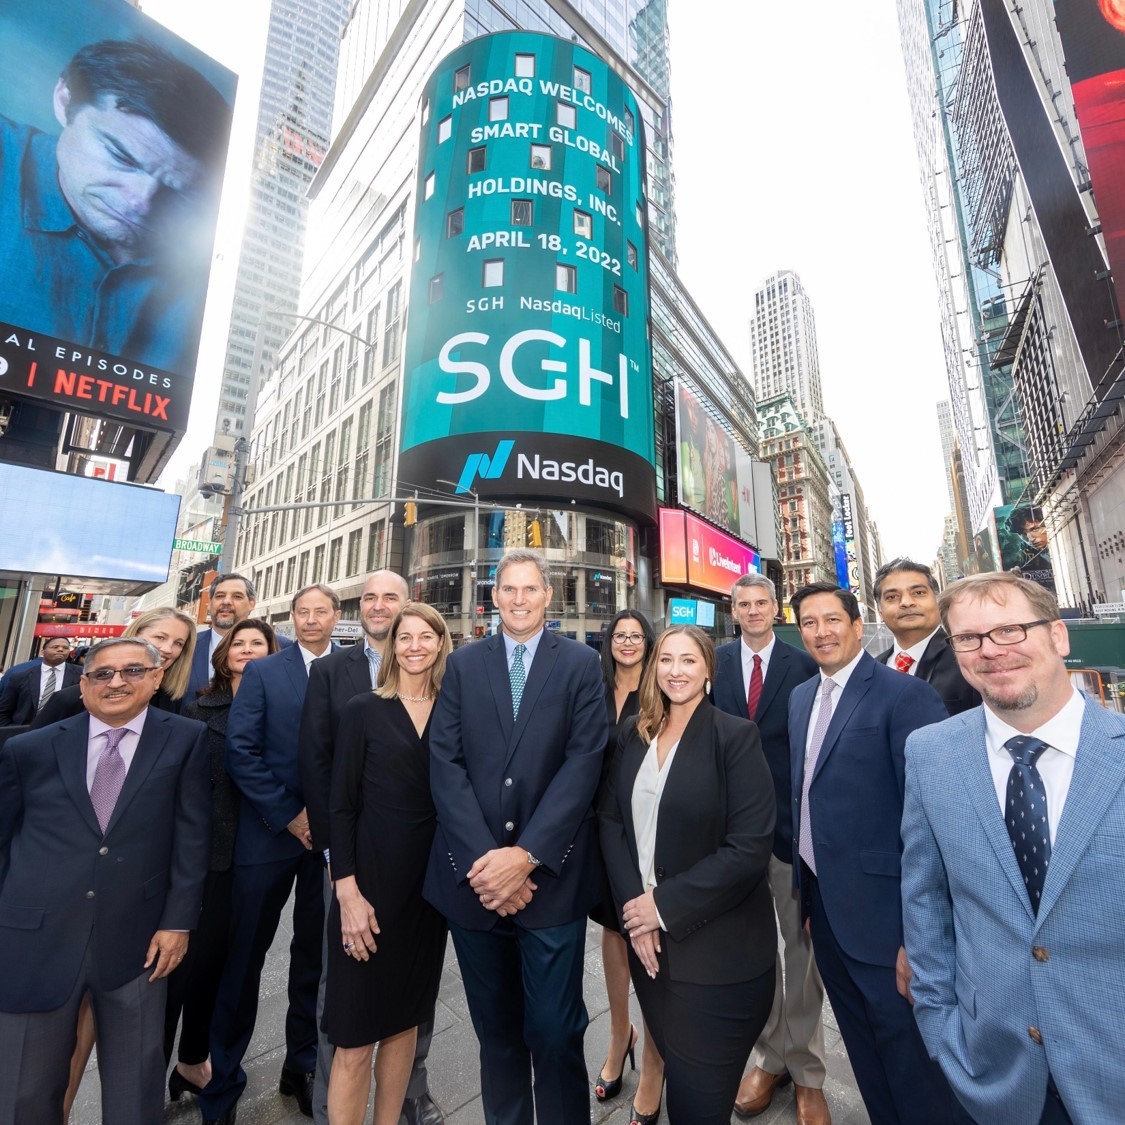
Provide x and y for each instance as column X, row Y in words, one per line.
column 636, row 1118
column 178, row 1084
column 606, row 1088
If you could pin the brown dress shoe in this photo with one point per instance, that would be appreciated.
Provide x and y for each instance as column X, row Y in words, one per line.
column 756, row 1091
column 812, row 1109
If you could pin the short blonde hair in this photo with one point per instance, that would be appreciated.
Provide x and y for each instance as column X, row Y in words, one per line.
column 390, row 669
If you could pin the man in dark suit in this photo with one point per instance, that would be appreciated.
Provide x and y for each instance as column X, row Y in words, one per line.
column 334, row 681
column 26, row 687
column 516, row 745
column 105, row 832
column 273, row 849
column 232, row 600
column 753, row 679
column 906, row 593
column 847, row 734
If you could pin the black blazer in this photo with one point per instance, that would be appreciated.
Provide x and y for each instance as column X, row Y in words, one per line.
column 333, row 681
column 788, row 667
column 214, row 710
column 713, row 839
column 939, row 668
column 20, row 690
column 63, row 881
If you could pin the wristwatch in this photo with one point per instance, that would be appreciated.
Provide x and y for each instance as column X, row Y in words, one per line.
column 532, row 860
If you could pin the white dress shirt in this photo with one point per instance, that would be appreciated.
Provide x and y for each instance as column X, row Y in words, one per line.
column 308, row 657
column 748, row 655
column 840, row 679
column 127, row 747
column 916, row 652
column 1055, row 764
column 648, row 788
column 45, row 670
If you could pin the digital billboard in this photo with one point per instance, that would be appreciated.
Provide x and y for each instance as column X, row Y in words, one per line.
column 80, row 527
column 113, row 139
column 715, row 473
column 1022, row 536
column 527, row 367
column 692, row 553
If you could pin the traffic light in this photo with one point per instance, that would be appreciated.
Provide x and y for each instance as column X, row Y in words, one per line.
column 410, row 513
column 535, row 534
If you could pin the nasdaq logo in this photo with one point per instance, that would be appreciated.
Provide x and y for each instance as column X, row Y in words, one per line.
column 487, row 468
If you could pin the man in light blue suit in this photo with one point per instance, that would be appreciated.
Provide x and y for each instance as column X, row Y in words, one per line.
column 1013, row 871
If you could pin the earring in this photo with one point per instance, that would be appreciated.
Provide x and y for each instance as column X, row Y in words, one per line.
column 707, row 688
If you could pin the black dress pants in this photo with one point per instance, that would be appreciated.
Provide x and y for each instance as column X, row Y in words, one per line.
column 705, row 1033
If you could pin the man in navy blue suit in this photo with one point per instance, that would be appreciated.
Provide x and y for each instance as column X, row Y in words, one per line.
column 516, row 744
column 105, row 833
column 754, row 678
column 26, row 687
column 847, row 736
column 232, row 600
column 273, row 849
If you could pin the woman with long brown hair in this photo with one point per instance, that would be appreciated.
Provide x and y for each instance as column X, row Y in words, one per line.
column 687, row 831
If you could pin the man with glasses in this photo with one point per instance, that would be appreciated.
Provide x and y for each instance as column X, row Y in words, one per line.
column 753, row 679
column 105, row 833
column 1012, row 887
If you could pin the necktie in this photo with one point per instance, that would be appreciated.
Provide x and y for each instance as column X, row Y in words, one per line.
column 903, row 662
column 108, row 777
column 755, row 692
column 1025, row 813
column 517, row 674
column 49, row 687
column 374, row 659
column 823, row 718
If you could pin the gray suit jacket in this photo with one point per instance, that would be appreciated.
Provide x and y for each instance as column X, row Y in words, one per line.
column 986, row 969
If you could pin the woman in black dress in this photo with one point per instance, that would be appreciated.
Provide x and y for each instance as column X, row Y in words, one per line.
column 687, row 831
column 628, row 644
column 384, row 965
column 193, row 987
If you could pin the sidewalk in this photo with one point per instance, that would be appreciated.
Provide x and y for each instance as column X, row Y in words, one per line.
column 453, row 1065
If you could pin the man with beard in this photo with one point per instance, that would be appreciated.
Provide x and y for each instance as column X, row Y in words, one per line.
column 232, row 600
column 332, row 683
column 1013, row 840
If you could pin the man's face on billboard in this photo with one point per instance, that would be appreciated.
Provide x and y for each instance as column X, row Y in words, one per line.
column 122, row 176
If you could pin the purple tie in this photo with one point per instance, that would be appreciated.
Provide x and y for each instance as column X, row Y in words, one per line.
column 108, row 777
column 823, row 718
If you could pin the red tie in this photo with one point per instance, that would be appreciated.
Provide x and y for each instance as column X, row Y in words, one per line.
column 903, row 662
column 755, row 692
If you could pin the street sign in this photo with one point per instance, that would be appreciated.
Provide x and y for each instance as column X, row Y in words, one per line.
column 203, row 545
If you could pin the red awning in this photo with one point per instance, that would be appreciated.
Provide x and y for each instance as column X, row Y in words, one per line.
column 79, row 629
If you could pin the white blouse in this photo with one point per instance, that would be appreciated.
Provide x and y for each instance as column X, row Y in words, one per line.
column 647, row 791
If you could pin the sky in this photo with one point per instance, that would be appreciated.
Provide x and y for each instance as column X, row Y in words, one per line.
column 792, row 150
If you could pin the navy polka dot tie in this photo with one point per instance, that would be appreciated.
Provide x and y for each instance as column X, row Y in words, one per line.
column 1025, row 813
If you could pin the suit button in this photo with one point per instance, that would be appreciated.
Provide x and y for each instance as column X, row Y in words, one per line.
column 1036, row 1035
column 660, row 872
column 1040, row 954
column 509, row 825
column 89, row 894
column 507, row 781
column 103, row 851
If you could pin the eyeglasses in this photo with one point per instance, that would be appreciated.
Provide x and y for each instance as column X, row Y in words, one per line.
column 133, row 674
column 627, row 638
column 1001, row 635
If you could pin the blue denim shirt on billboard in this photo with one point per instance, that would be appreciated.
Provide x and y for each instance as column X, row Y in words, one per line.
column 55, row 280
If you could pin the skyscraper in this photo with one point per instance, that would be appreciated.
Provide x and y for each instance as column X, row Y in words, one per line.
column 783, row 345
column 294, row 121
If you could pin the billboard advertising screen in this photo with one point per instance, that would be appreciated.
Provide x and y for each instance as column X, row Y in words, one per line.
column 527, row 370
column 56, row 523
column 1022, row 536
column 692, row 553
column 113, row 142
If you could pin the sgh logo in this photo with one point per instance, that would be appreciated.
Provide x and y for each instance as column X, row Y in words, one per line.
column 487, row 468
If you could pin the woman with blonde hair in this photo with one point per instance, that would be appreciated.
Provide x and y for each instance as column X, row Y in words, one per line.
column 687, row 831
column 385, row 960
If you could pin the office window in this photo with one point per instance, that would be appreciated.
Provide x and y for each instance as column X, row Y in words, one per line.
column 525, row 66
column 428, row 186
column 461, row 78
column 565, row 115
column 583, row 224
column 523, row 212
column 425, row 111
column 334, row 551
column 476, row 159
column 566, row 278
column 437, row 288
column 493, row 273
column 455, row 223
column 630, row 122
column 620, row 301
column 630, row 254
column 603, row 178
column 444, row 129
column 355, row 542
column 375, row 546
column 582, row 80
column 541, row 157
column 498, row 109
column 617, row 145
